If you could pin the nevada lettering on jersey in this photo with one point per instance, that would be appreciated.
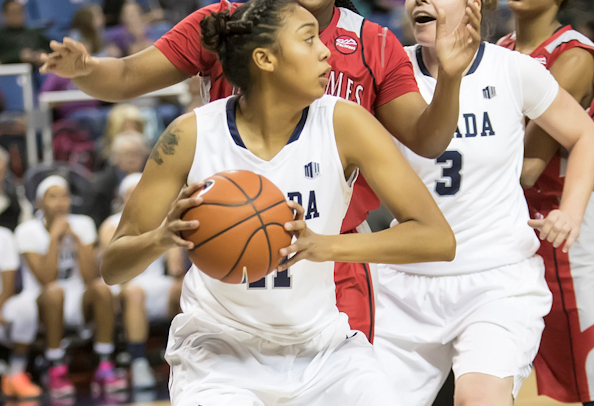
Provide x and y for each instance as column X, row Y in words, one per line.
column 472, row 125
column 340, row 85
column 311, row 210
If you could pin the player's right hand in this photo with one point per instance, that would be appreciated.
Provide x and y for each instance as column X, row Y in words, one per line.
column 70, row 59
column 169, row 231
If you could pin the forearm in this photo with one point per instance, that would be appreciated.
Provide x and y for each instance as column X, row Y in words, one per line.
column 87, row 266
column 128, row 256
column 48, row 268
column 579, row 178
column 437, row 124
column 408, row 242
column 106, row 81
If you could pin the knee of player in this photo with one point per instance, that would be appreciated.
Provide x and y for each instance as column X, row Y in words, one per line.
column 133, row 296
column 101, row 291
column 52, row 294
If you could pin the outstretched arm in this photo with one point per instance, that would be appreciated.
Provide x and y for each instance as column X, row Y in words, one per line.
column 151, row 220
column 428, row 129
column 111, row 79
column 422, row 234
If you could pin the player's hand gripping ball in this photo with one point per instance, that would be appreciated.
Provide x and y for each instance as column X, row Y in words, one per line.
column 241, row 230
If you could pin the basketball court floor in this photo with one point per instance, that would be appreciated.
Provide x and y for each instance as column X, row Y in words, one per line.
column 159, row 397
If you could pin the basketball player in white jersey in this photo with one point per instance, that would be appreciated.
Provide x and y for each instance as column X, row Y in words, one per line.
column 18, row 322
column 60, row 267
column 281, row 339
column 482, row 313
column 151, row 296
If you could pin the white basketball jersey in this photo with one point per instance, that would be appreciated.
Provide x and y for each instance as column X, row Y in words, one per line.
column 156, row 268
column 476, row 181
column 291, row 306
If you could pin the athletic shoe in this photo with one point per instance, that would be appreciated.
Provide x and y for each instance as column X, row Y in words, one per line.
column 59, row 385
column 108, row 378
column 142, row 374
column 20, row 386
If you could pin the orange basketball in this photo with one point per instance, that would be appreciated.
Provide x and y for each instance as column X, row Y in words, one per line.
column 241, row 227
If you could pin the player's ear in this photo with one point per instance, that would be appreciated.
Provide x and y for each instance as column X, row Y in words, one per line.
column 264, row 59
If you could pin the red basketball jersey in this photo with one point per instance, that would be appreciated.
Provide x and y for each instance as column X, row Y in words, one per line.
column 545, row 195
column 369, row 67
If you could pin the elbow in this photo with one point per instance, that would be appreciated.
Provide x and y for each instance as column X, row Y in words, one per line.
column 432, row 151
column 107, row 273
column 449, row 246
column 527, row 181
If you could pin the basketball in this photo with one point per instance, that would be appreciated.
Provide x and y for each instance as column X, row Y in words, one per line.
column 241, row 227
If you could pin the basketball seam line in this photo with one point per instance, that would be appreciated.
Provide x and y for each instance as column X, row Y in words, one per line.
column 234, row 225
column 263, row 227
column 258, row 214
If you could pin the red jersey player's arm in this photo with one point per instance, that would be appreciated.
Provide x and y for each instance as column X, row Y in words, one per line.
column 574, row 71
column 173, row 58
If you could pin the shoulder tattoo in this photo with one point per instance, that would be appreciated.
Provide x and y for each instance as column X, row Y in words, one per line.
column 165, row 145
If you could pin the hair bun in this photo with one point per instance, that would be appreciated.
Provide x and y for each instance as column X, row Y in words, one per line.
column 214, row 30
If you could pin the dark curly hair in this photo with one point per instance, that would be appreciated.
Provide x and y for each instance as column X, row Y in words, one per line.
column 234, row 37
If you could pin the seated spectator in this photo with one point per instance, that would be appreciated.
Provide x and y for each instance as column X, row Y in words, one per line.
column 13, row 209
column 88, row 27
column 121, row 118
column 128, row 155
column 19, row 44
column 60, row 265
column 132, row 35
column 18, row 322
column 151, row 296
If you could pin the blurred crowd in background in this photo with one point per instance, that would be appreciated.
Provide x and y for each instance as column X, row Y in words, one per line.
column 96, row 145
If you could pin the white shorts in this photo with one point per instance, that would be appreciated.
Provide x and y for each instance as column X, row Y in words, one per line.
column 157, row 292
column 215, row 365
column 74, row 291
column 487, row 322
column 21, row 316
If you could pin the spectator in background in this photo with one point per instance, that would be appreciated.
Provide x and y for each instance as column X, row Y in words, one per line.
column 60, row 265
column 18, row 322
column 132, row 35
column 151, row 296
column 13, row 209
column 19, row 44
column 128, row 155
column 121, row 118
column 88, row 27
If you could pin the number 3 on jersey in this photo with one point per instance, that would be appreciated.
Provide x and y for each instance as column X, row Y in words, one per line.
column 450, row 172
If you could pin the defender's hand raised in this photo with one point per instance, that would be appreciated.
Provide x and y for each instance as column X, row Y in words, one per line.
column 70, row 59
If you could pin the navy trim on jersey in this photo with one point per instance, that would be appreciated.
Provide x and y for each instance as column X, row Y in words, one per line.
column 363, row 57
column 478, row 59
column 232, row 124
column 473, row 68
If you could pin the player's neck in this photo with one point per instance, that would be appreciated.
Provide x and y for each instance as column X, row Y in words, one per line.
column 432, row 62
column 324, row 16
column 266, row 123
column 531, row 31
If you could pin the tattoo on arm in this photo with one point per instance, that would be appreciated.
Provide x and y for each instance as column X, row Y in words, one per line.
column 165, row 145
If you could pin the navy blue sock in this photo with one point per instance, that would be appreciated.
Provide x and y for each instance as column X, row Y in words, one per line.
column 136, row 350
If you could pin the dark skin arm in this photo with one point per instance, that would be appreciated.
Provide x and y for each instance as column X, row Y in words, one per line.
column 8, row 279
column 574, row 71
column 112, row 79
column 147, row 231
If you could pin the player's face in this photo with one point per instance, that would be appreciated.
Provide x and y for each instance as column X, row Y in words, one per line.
column 56, row 201
column 302, row 62
column 532, row 7
column 423, row 17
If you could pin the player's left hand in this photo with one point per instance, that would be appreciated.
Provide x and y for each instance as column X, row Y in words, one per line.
column 456, row 50
column 307, row 244
column 556, row 228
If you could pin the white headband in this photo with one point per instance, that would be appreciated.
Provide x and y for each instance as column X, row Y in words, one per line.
column 128, row 183
column 49, row 182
